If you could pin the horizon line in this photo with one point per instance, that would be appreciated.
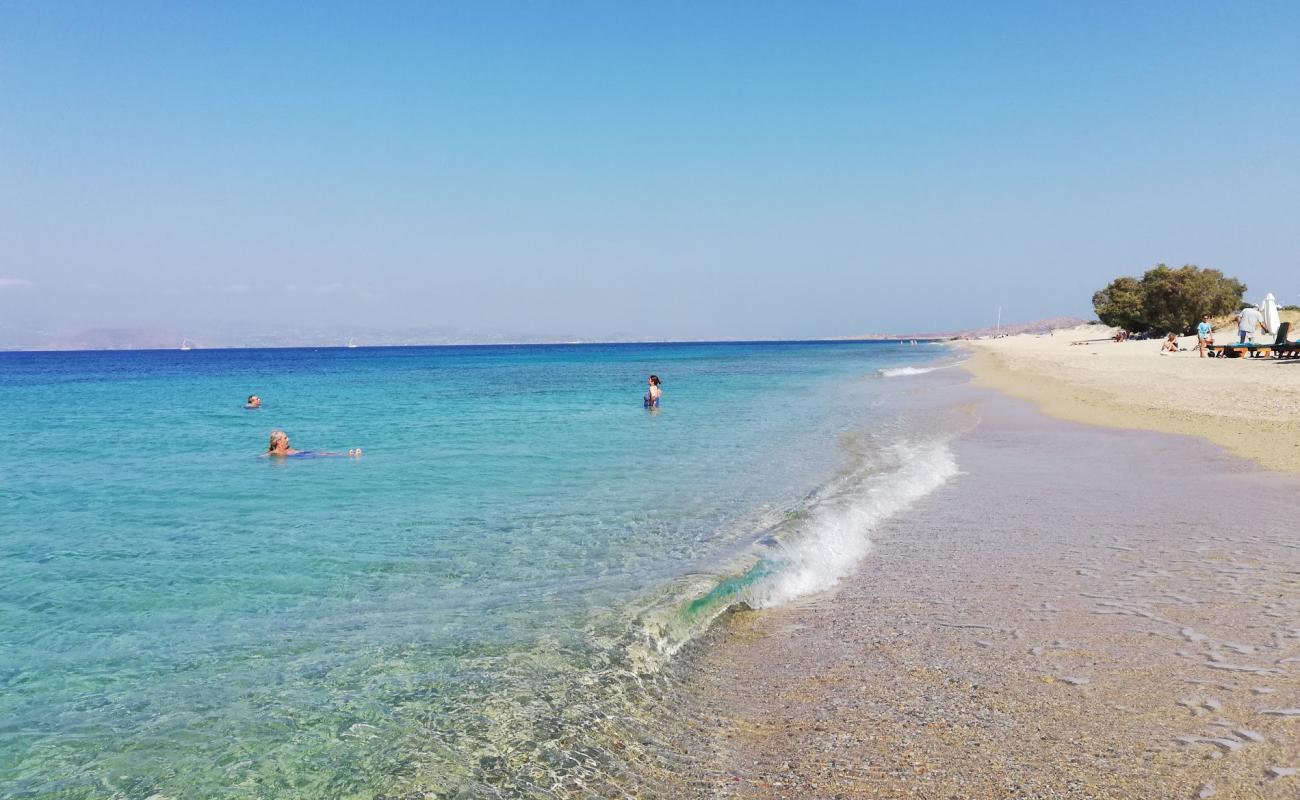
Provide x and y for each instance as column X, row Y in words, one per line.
column 823, row 340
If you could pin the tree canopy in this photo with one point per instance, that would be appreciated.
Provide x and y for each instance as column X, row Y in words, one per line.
column 1166, row 299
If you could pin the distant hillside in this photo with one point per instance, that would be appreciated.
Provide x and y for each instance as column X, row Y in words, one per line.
column 1037, row 326
column 330, row 336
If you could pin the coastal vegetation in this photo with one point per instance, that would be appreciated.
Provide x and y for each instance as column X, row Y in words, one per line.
column 1166, row 299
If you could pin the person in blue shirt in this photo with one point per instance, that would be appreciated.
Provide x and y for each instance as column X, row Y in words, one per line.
column 1204, row 335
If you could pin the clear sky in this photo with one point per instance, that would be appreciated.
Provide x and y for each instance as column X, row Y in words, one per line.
column 655, row 169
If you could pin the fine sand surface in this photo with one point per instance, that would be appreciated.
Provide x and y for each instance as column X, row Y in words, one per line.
column 1083, row 613
column 1249, row 405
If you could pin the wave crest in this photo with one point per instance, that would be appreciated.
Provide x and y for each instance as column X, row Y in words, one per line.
column 898, row 372
column 837, row 536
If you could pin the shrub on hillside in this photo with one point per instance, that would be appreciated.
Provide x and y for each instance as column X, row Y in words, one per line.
column 1168, row 299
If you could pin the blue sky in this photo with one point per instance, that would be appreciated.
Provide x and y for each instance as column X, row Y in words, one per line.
column 675, row 170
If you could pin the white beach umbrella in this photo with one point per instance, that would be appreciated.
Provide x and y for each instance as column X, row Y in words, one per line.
column 1271, row 318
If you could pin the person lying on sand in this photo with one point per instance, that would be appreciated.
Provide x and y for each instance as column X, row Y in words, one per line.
column 279, row 448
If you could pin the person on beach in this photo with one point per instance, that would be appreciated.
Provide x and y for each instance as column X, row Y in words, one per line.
column 652, row 396
column 1170, row 345
column 1204, row 335
column 1248, row 321
column 279, row 447
column 253, row 402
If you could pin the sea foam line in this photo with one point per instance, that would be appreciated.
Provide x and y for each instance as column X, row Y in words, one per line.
column 837, row 537
column 898, row 372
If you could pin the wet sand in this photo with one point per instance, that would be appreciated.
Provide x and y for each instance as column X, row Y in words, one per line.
column 1084, row 613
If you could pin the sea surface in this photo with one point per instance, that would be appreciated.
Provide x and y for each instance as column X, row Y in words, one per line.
column 477, row 607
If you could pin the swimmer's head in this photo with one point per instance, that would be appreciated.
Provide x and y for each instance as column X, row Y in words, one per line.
column 254, row 401
column 279, row 442
column 654, row 380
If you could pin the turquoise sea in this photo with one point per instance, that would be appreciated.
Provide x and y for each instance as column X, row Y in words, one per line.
column 477, row 607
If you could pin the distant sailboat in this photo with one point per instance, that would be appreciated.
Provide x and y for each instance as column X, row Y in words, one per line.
column 352, row 342
column 185, row 345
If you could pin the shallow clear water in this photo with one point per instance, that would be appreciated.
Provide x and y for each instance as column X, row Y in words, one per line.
column 462, row 608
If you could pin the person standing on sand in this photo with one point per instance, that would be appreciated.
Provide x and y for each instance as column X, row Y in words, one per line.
column 1204, row 335
column 1248, row 321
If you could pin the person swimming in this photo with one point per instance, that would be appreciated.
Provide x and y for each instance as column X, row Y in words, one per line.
column 253, row 402
column 654, row 394
column 279, row 447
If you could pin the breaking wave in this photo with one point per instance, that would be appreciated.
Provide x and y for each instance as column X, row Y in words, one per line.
column 898, row 372
column 838, row 533
column 819, row 545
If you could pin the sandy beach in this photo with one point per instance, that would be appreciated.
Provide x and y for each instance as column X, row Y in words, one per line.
column 1084, row 613
column 1250, row 406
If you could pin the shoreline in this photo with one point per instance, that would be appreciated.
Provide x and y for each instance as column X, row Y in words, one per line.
column 1057, row 622
column 1107, row 384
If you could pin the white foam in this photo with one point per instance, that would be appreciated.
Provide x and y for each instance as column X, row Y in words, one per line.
column 898, row 372
column 838, row 535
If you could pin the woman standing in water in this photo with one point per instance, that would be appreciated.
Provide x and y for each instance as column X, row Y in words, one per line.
column 653, row 395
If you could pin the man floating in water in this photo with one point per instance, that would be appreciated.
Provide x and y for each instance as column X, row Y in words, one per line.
column 279, row 447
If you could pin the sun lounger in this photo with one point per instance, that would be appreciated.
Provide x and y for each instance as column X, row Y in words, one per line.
column 1287, row 349
column 1279, row 345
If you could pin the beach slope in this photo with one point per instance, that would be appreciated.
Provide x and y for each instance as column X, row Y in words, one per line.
column 1249, row 405
column 1084, row 613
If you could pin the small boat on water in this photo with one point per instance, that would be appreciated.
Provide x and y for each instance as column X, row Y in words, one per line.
column 352, row 342
column 185, row 345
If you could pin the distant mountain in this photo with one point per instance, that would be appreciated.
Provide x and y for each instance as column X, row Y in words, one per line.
column 332, row 336
column 1037, row 326
column 114, row 339
column 298, row 336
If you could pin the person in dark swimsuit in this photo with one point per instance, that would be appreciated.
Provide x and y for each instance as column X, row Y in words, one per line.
column 654, row 393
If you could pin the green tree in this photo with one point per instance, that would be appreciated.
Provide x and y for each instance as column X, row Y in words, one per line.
column 1168, row 299
column 1121, row 304
column 1175, row 299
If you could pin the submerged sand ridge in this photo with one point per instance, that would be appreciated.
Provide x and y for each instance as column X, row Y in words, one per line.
column 1085, row 613
column 1251, row 406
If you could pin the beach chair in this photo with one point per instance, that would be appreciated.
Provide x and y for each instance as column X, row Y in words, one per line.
column 1287, row 349
column 1279, row 345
